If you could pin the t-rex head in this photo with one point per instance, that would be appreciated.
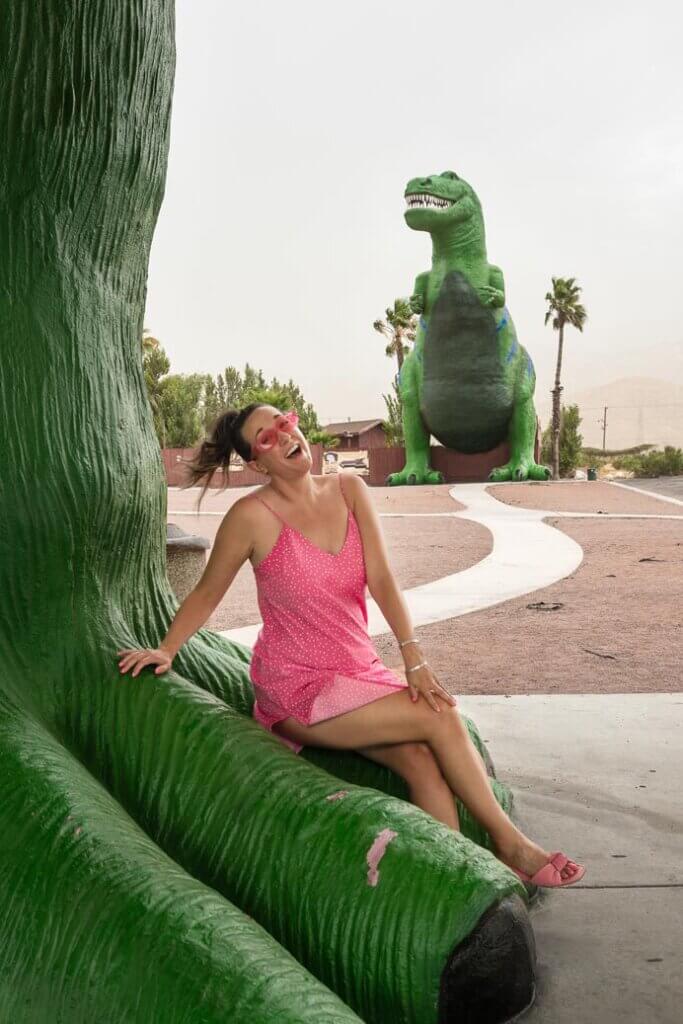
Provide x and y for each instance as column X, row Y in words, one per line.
column 440, row 201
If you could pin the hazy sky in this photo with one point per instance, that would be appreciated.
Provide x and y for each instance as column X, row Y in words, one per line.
column 296, row 126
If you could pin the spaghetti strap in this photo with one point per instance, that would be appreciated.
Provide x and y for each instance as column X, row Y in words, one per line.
column 342, row 491
column 276, row 514
column 269, row 508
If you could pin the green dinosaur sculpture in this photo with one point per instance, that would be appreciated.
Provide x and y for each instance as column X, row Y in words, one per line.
column 164, row 859
column 467, row 381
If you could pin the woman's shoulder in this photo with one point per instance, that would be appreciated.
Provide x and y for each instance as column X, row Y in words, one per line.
column 246, row 507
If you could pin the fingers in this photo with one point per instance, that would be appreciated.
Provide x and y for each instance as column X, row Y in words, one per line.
column 137, row 660
column 445, row 694
column 430, row 690
column 431, row 700
column 145, row 660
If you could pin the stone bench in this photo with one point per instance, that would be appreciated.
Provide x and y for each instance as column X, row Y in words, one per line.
column 185, row 560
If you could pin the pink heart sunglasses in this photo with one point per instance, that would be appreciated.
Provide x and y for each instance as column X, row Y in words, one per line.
column 268, row 438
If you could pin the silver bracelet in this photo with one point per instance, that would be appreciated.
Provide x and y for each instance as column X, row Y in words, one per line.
column 416, row 667
column 413, row 640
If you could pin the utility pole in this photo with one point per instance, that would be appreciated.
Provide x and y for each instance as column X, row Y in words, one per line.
column 604, row 428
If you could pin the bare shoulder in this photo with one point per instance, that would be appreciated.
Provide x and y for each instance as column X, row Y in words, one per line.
column 232, row 546
column 246, row 510
column 356, row 490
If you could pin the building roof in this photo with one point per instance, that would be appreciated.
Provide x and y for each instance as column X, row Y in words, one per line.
column 351, row 426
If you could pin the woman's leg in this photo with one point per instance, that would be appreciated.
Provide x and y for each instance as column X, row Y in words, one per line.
column 416, row 764
column 396, row 719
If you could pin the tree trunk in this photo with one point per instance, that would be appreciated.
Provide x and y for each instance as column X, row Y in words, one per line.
column 557, row 406
column 133, row 812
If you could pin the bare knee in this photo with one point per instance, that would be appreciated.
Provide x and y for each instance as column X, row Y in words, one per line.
column 448, row 722
column 418, row 763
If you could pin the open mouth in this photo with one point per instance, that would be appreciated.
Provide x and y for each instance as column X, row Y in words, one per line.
column 424, row 201
column 295, row 452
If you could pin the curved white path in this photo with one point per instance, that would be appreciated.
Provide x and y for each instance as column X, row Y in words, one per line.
column 527, row 555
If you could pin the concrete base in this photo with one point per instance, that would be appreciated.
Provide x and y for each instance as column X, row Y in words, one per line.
column 598, row 776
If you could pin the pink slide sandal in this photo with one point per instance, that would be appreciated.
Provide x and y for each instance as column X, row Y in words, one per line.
column 549, row 876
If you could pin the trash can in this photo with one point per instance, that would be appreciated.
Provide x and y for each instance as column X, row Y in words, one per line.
column 592, row 473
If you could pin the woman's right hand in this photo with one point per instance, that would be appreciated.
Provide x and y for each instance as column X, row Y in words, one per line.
column 137, row 659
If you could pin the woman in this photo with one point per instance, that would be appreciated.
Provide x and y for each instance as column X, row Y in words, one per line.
column 315, row 543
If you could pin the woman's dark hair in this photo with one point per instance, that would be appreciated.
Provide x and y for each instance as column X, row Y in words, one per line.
column 216, row 451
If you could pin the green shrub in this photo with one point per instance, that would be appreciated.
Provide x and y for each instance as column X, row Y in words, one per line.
column 570, row 441
column 603, row 454
column 649, row 464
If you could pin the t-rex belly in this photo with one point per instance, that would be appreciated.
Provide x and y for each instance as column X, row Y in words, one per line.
column 467, row 397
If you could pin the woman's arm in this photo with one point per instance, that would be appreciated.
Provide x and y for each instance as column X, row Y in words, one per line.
column 386, row 592
column 231, row 548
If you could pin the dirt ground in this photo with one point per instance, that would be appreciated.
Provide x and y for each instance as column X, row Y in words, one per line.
column 619, row 627
column 619, row 624
column 580, row 496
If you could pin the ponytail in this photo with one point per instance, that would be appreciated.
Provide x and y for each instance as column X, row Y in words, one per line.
column 216, row 451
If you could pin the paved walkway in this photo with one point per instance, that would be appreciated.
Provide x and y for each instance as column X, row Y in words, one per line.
column 598, row 776
column 662, row 487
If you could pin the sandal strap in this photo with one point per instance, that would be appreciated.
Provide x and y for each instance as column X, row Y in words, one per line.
column 558, row 860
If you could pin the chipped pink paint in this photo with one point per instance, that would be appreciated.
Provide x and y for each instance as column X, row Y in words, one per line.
column 376, row 852
column 339, row 795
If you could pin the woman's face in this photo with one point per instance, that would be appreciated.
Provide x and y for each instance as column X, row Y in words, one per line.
column 275, row 461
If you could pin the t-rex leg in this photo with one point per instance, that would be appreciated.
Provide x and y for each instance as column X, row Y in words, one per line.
column 416, row 436
column 212, row 789
column 101, row 926
column 522, row 438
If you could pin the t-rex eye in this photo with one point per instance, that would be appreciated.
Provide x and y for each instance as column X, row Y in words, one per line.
column 450, row 174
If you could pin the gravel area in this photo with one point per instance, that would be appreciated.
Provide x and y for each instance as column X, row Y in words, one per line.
column 618, row 627
column 582, row 496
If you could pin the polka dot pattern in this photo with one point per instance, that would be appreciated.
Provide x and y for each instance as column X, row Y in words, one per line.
column 313, row 658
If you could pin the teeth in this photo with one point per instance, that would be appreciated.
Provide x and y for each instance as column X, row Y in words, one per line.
column 296, row 447
column 422, row 200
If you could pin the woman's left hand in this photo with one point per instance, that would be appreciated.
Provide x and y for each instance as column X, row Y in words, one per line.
column 425, row 682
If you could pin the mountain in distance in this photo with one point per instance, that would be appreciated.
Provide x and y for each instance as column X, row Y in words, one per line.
column 640, row 410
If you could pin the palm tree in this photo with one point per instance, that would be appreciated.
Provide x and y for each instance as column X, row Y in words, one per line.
column 149, row 343
column 400, row 323
column 155, row 365
column 564, row 308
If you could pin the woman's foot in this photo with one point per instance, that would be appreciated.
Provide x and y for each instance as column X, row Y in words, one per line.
column 528, row 858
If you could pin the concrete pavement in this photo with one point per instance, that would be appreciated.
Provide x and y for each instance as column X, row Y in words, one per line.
column 660, row 487
column 599, row 777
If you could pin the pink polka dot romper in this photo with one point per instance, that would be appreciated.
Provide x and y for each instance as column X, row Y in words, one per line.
column 313, row 658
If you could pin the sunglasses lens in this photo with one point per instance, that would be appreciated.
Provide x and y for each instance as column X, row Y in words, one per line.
column 268, row 438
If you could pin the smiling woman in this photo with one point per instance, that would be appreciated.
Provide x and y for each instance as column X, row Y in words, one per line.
column 316, row 675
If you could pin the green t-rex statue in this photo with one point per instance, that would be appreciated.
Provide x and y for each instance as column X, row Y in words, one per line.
column 467, row 381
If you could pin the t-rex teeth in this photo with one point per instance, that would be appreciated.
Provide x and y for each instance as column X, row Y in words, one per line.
column 421, row 199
